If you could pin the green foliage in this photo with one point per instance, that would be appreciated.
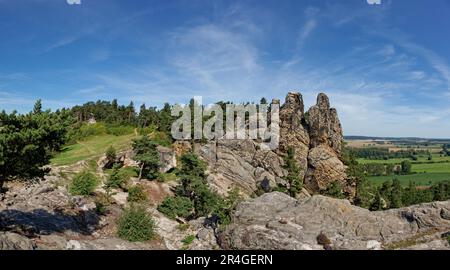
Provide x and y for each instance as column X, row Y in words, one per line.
column 148, row 156
column 161, row 138
column 82, row 131
column 119, row 130
column 226, row 206
column 83, row 183
column 293, row 178
column 177, row 206
column 377, row 203
column 406, row 167
column 188, row 239
column 28, row 141
column 193, row 197
column 385, row 154
column 364, row 193
column 334, row 190
column 137, row 194
column 396, row 195
column 118, row 178
column 147, row 130
column 183, row 226
column 136, row 225
column 110, row 157
column 102, row 201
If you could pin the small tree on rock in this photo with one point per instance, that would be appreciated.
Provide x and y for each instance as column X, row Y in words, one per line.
column 293, row 176
column 148, row 156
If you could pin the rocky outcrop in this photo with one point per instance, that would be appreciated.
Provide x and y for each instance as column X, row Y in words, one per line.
column 294, row 130
column 316, row 138
column 240, row 163
column 167, row 159
column 324, row 164
column 277, row 221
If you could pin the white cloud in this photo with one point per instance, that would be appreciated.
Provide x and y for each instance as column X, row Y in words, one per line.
column 374, row 2
column 306, row 31
column 74, row 2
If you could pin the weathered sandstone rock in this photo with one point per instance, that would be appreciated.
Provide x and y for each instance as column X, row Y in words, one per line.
column 277, row 221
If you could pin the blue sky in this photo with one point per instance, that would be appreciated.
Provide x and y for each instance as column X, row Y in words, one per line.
column 386, row 67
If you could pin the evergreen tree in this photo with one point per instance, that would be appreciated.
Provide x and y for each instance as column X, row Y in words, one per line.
column 147, row 155
column 377, row 203
column 165, row 119
column 334, row 190
column 396, row 194
column 37, row 107
column 406, row 167
column 293, row 177
column 28, row 141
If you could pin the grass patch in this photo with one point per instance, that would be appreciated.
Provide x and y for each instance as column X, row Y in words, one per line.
column 92, row 148
column 431, row 167
column 167, row 177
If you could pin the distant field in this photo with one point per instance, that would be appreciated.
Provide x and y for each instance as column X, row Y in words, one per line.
column 421, row 179
column 436, row 159
column 432, row 168
column 91, row 148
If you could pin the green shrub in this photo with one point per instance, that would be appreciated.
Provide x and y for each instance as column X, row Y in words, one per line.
column 102, row 201
column 177, row 206
column 83, row 183
column 188, row 239
column 334, row 190
column 137, row 194
column 161, row 138
column 136, row 225
column 116, row 179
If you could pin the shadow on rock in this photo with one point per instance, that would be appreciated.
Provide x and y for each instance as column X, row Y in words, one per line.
column 40, row 221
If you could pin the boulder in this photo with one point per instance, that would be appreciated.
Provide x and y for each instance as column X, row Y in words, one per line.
column 168, row 159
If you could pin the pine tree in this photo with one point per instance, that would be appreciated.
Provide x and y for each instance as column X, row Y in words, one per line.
column 377, row 203
column 293, row 177
column 38, row 107
column 147, row 155
column 396, row 194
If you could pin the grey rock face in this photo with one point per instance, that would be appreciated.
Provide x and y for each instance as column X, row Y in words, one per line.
column 277, row 221
column 294, row 130
column 240, row 163
column 324, row 164
column 168, row 159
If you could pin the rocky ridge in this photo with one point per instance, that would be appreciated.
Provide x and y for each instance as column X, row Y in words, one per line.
column 277, row 221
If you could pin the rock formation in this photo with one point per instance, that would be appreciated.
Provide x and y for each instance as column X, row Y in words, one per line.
column 325, row 131
column 277, row 221
column 316, row 138
column 294, row 130
column 240, row 163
